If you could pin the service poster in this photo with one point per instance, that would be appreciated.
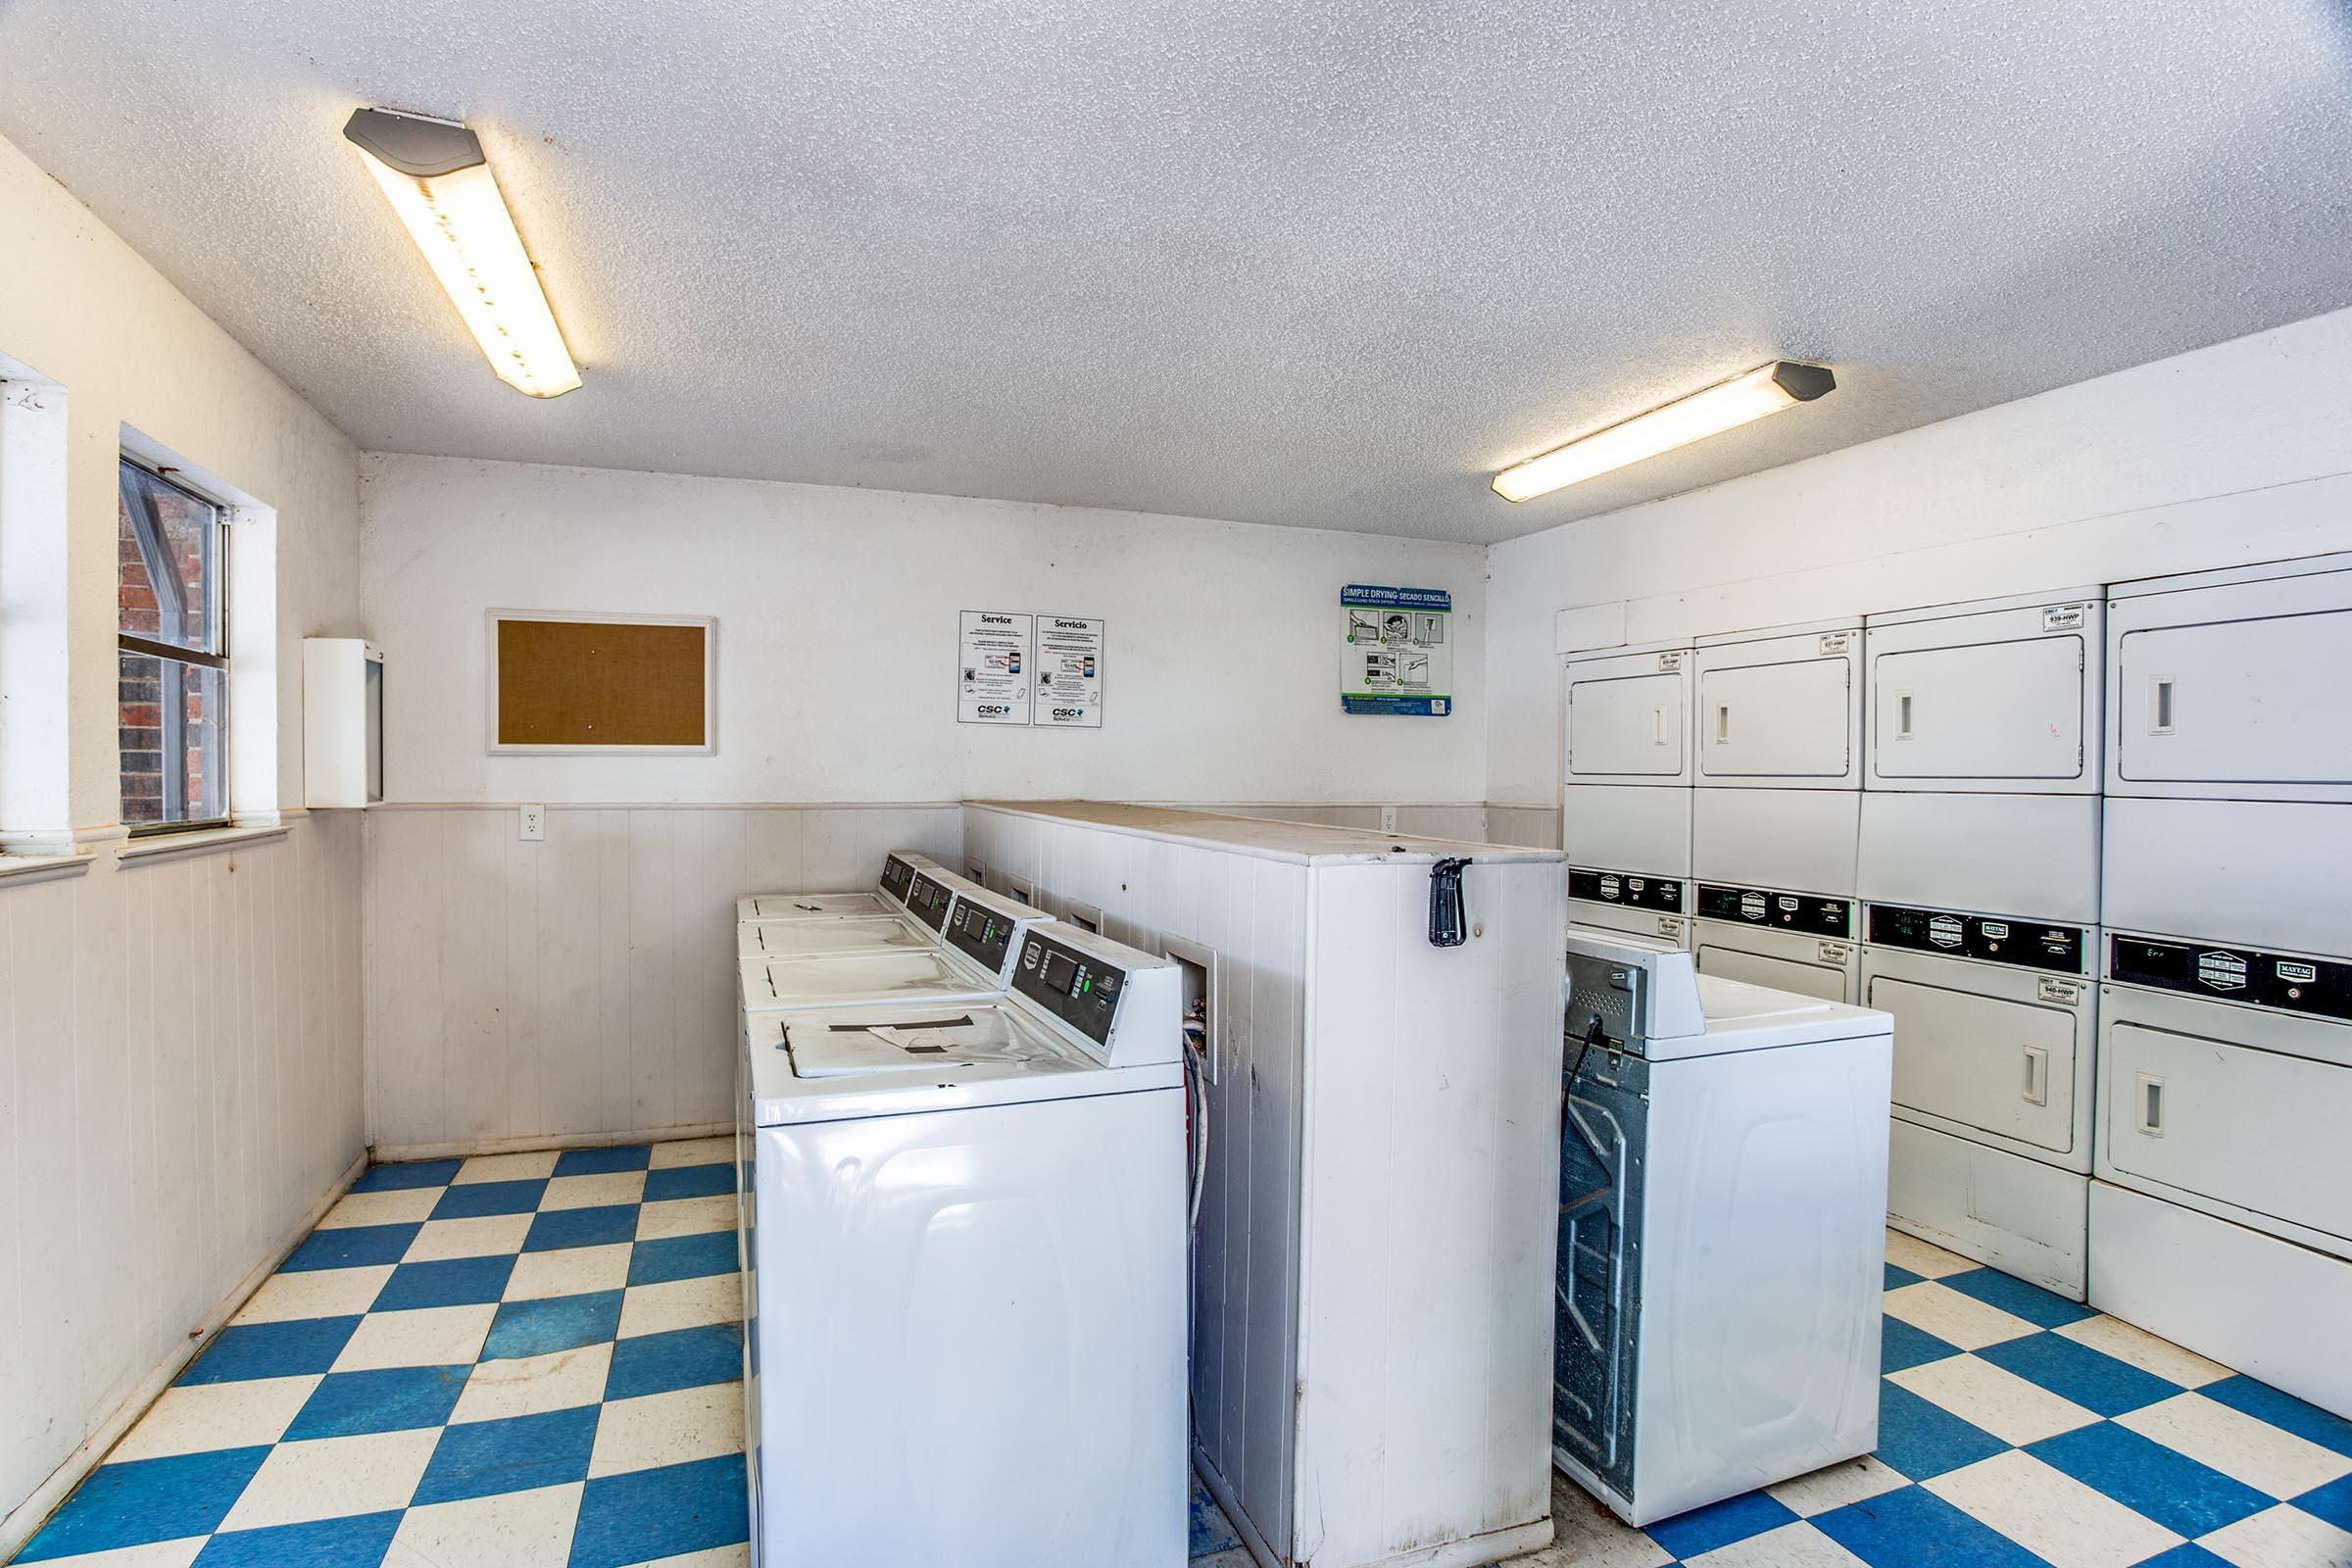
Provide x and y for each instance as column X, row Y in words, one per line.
column 1396, row 651
column 993, row 678
column 1069, row 672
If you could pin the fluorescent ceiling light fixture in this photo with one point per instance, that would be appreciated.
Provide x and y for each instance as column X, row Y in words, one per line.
column 1766, row 389
column 434, row 174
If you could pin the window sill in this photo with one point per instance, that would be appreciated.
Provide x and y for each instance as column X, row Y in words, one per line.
column 203, row 841
column 43, row 868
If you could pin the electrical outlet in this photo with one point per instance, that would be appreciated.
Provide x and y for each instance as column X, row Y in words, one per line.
column 534, row 824
column 1388, row 819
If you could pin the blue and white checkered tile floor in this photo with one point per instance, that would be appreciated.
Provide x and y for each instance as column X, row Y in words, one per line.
column 516, row 1360
column 533, row 1359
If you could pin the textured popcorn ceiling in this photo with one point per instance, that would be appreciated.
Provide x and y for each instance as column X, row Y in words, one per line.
column 1284, row 260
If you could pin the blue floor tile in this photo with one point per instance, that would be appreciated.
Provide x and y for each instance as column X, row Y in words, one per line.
column 2188, row 1555
column 1897, row 1278
column 604, row 1161
column 147, row 1500
column 406, row 1175
column 662, row 1513
column 357, row 1542
column 682, row 1257
column 2172, row 1488
column 1921, row 1440
column 477, row 1200
column 2091, row 1379
column 689, row 1181
column 1913, row 1528
column 2016, row 1298
column 2331, row 1503
column 483, row 1457
column 350, row 1247
column 2283, row 1410
column 445, row 1282
column 582, row 1227
column 1718, row 1524
column 682, row 1358
column 390, row 1399
column 558, row 1323
column 1902, row 1346
column 244, row 1350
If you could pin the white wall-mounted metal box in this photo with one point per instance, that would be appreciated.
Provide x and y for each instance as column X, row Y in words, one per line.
column 342, row 722
column 2000, row 695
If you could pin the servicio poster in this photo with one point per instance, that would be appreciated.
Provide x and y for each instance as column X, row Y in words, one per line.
column 992, row 675
column 1396, row 651
column 1069, row 672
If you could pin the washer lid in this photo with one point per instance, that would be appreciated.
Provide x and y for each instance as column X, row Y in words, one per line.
column 844, row 979
column 922, row 1040
column 1745, row 1017
column 812, row 905
column 813, row 937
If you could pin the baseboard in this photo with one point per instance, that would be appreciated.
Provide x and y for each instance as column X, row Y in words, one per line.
column 466, row 1147
column 18, row 1527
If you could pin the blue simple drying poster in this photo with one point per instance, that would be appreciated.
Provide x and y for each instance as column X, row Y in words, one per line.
column 1396, row 651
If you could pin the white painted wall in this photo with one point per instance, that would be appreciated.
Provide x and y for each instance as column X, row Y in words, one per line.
column 2237, row 453
column 179, row 1039
column 837, row 640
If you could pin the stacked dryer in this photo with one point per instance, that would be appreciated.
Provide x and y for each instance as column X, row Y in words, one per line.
column 1774, row 805
column 2221, row 1216
column 1625, row 811
column 1977, row 864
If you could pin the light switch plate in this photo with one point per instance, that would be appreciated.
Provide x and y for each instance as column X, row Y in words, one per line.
column 1388, row 819
column 534, row 824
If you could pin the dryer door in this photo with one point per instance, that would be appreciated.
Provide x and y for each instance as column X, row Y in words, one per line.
column 1775, row 959
column 1787, row 720
column 1629, row 726
column 1996, row 710
column 1986, row 1061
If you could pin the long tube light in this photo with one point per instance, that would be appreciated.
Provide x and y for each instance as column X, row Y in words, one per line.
column 1766, row 389
column 434, row 174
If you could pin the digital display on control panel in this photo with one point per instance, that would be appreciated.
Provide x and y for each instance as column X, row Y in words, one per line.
column 897, row 877
column 982, row 933
column 1080, row 989
column 2235, row 974
column 1633, row 892
column 1808, row 912
column 930, row 901
column 2028, row 944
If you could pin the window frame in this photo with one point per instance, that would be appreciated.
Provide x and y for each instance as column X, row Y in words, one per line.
column 171, row 717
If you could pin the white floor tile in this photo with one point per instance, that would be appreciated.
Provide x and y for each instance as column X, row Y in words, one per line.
column 1921, row 1258
column 528, row 1384
column 592, row 1192
column 432, row 1336
column 156, row 1554
column 658, row 1429
column 1993, row 1399
column 1792, row 1545
column 1837, row 1486
column 2138, row 1348
column 198, row 1417
column 508, row 1167
column 686, row 1216
column 2280, row 1537
column 485, row 1236
column 568, row 1271
column 401, row 1207
column 716, row 1557
column 2051, row 1514
column 681, row 1304
column 314, row 1292
column 2260, row 1455
column 511, row 1530
column 694, row 1151
column 330, row 1477
column 1956, row 1319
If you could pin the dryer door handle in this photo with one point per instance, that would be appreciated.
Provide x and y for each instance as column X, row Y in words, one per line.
column 2037, row 1076
column 2149, row 1097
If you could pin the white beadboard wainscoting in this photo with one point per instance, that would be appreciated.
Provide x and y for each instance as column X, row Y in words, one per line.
column 179, row 1094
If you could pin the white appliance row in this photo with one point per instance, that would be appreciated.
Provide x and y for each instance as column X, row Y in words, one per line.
column 961, row 1136
column 2020, row 826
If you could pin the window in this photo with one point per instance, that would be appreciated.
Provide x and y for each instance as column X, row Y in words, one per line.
column 173, row 696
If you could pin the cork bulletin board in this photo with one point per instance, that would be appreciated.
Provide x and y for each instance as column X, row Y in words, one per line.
column 595, row 682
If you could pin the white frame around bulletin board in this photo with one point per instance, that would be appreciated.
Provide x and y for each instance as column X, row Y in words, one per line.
column 710, row 629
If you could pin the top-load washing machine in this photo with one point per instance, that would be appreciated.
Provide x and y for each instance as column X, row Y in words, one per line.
column 1977, row 864
column 1722, row 1239
column 1775, row 806
column 965, row 1279
column 888, row 898
column 979, row 933
column 1625, row 806
column 2220, row 1218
